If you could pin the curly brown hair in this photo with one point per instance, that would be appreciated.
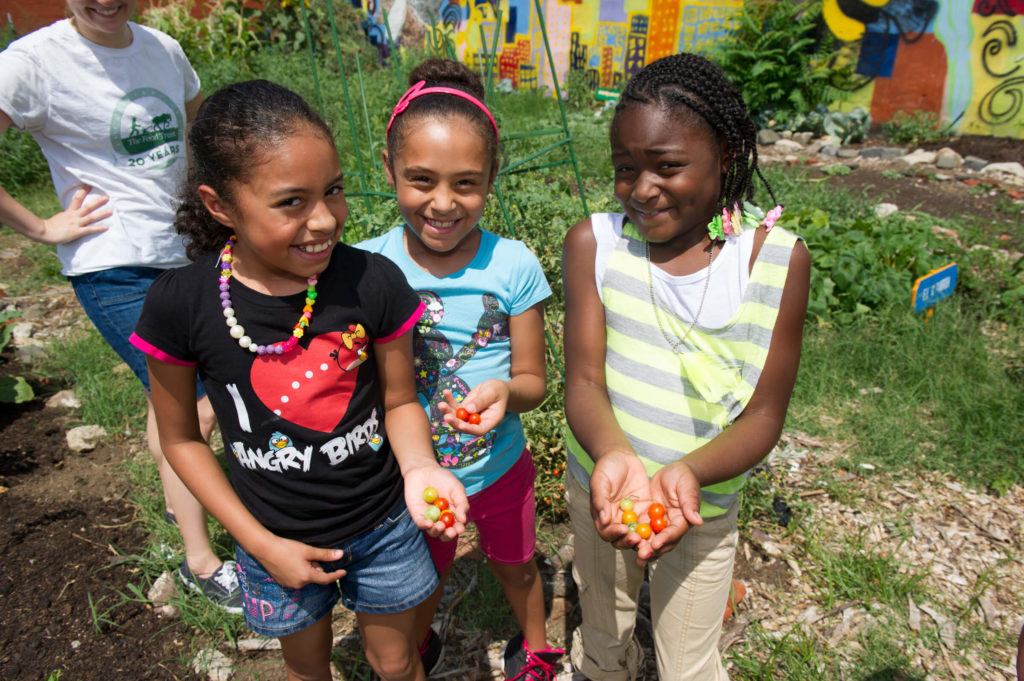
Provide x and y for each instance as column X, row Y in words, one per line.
column 234, row 129
column 438, row 72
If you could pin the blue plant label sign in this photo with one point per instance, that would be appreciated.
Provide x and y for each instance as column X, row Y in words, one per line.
column 933, row 287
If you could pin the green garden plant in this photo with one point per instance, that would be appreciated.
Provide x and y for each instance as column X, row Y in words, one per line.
column 916, row 127
column 775, row 51
column 13, row 389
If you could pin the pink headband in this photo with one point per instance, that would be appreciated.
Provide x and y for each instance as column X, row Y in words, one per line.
column 420, row 89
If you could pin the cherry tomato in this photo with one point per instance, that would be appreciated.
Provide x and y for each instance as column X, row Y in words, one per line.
column 462, row 414
column 442, row 504
column 632, row 527
column 432, row 513
column 644, row 530
column 448, row 518
column 429, row 494
column 474, row 419
column 656, row 510
column 658, row 524
column 626, row 504
column 628, row 517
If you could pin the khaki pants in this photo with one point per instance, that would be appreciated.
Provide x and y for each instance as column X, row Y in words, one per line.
column 689, row 589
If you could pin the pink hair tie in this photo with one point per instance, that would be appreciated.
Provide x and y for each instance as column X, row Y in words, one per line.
column 420, row 89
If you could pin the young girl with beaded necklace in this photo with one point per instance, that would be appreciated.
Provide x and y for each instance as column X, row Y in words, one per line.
column 319, row 417
column 684, row 317
column 479, row 346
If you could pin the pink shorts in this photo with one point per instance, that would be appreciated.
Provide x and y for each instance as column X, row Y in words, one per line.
column 504, row 516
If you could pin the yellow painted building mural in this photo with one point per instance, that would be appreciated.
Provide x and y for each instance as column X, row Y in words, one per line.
column 962, row 59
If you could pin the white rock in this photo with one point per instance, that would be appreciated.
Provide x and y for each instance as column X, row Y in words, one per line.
column 785, row 145
column 84, row 438
column 918, row 156
column 884, row 210
column 216, row 665
column 65, row 398
column 22, row 332
column 1011, row 168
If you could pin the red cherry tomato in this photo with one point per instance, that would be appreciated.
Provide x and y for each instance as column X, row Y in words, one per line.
column 629, row 517
column 656, row 510
column 658, row 524
column 462, row 414
column 474, row 419
column 644, row 530
column 448, row 518
column 441, row 503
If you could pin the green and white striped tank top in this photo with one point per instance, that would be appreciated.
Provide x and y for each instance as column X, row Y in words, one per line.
column 667, row 402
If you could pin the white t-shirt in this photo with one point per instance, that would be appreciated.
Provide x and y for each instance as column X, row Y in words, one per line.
column 111, row 118
column 683, row 294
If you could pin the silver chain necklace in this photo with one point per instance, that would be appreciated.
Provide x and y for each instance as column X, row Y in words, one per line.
column 676, row 344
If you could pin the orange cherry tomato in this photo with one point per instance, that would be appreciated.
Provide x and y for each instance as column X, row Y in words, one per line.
column 658, row 524
column 474, row 419
column 629, row 517
column 462, row 414
column 656, row 510
column 644, row 530
column 448, row 518
column 441, row 503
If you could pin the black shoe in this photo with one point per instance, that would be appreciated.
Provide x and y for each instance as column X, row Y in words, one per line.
column 522, row 664
column 431, row 652
column 221, row 587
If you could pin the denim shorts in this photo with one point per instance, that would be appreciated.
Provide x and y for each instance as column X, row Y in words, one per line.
column 387, row 570
column 112, row 299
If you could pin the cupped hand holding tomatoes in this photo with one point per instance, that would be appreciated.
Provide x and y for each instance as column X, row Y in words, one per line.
column 430, row 481
column 676, row 489
column 480, row 410
column 618, row 475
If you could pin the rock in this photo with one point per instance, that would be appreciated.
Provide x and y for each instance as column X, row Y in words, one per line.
column 884, row 210
column 31, row 353
column 163, row 591
column 974, row 163
column 21, row 333
column 947, row 159
column 65, row 398
column 892, row 153
column 943, row 177
column 216, row 665
column 814, row 147
column 829, row 150
column 766, row 137
column 85, row 438
column 803, row 138
column 846, row 152
column 785, row 145
column 918, row 156
column 1010, row 168
column 872, row 152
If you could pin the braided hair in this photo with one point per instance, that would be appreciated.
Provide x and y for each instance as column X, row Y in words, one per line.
column 438, row 72
column 687, row 83
column 232, row 131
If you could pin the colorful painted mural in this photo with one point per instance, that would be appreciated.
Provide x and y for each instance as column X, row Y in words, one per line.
column 962, row 59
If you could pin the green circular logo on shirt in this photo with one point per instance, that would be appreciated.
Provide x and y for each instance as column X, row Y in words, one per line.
column 147, row 127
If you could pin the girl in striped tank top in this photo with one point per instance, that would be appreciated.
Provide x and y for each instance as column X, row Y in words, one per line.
column 684, row 317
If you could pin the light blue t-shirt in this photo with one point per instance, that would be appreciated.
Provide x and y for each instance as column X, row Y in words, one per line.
column 462, row 339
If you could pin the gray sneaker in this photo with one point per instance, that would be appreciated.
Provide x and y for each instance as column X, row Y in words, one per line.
column 221, row 588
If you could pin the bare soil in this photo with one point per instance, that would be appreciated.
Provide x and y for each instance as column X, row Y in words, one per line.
column 67, row 522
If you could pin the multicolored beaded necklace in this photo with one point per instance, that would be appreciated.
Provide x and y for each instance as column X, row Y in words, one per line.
column 238, row 332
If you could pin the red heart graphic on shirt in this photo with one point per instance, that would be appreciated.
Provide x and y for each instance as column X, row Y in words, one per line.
column 308, row 386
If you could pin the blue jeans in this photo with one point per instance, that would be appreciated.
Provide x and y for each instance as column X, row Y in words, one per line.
column 112, row 299
column 387, row 570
